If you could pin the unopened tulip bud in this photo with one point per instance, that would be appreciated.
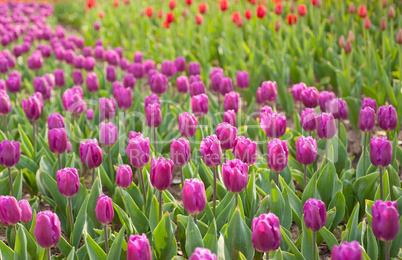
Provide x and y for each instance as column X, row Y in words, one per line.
column 161, row 173
column 138, row 248
column 380, row 151
column 124, row 176
column 194, row 197
column 26, row 211
column 341, row 41
column 399, row 37
column 385, row 221
column 347, row 251
column 10, row 212
column 348, row 47
column 47, row 229
column 266, row 233
column 391, row 12
column 68, row 181
column 104, row 209
column 315, row 214
column 383, row 24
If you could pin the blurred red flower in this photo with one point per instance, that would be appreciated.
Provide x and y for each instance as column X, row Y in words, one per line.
column 362, row 11
column 172, row 4
column 170, row 17
column 291, row 19
column 261, row 11
column 248, row 14
column 302, row 10
column 160, row 14
column 116, row 3
column 166, row 24
column 149, row 11
column 199, row 19
column 101, row 14
column 91, row 3
column 278, row 8
column 202, row 8
column 188, row 2
column 223, row 4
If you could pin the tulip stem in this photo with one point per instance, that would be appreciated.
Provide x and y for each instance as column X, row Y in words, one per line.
column 10, row 180
column 381, row 188
column 277, row 179
column 237, row 199
column 142, row 186
column 305, row 176
column 386, row 250
column 5, row 124
column 49, row 256
column 34, row 139
column 314, row 245
column 160, row 205
column 388, row 138
column 182, row 177
column 110, row 164
column 364, row 154
column 106, row 239
column 154, row 135
column 339, row 129
column 195, row 219
column 70, row 214
column 214, row 192
column 267, row 255
column 326, row 151
column 93, row 175
column 59, row 159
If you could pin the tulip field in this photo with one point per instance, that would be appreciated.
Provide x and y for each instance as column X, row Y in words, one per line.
column 201, row 130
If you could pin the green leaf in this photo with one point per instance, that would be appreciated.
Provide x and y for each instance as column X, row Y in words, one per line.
column 279, row 206
column 94, row 250
column 138, row 218
column 292, row 246
column 338, row 202
column 193, row 237
column 115, row 249
column 93, row 197
column 6, row 253
column 351, row 227
column 307, row 242
column 210, row 240
column 328, row 183
column 20, row 249
column 328, row 237
column 372, row 246
column 311, row 190
column 364, row 187
column 79, row 224
column 163, row 237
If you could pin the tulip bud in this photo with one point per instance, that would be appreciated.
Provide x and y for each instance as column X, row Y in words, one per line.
column 41, row 86
column 362, row 11
column 277, row 26
column 269, row 91
column 138, row 248
column 73, row 100
column 5, row 103
column 68, row 181
column 347, row 251
column 99, row 52
column 339, row 109
column 194, row 68
column 124, row 176
column 202, row 253
column 380, row 151
column 197, row 88
column 182, row 84
column 324, row 99
column 90, row 114
column 59, row 78
column 180, row 64
column 231, row 101
column 158, row 84
column 310, row 97
column 107, row 108
column 331, row 18
column 153, row 115
column 234, row 175
column 91, row 154
column 306, row 150
column 180, row 152
column 13, row 82
column 266, row 234
column 187, row 125
column 111, row 73
column 138, row 57
column 264, row 112
column 161, row 173
column 369, row 102
column 57, row 139
column 384, row 3
column 230, row 117
column 211, row 151
column 367, row 23
column 123, row 96
column 26, row 211
column 47, row 229
column 341, row 42
column 351, row 37
column 168, row 68
column 399, row 37
column 10, row 212
column 33, row 107
column 108, row 134
column 104, row 209
column 245, row 150
column 366, row 119
column 227, row 135
column 273, row 124
column 92, row 82
column 9, row 153
column 385, row 221
column 215, row 76
column 225, row 86
column 348, row 47
column 302, row 9
column 277, row 155
column 261, row 11
column 387, row 118
column 138, row 151
column 391, row 12
column 148, row 65
column 326, row 127
column 315, row 214
column 248, row 14
column 200, row 105
column 297, row 89
column 194, row 197
column 383, row 24
column 242, row 79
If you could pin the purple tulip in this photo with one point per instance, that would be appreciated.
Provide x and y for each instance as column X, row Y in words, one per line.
column 92, row 82
column 387, row 118
column 168, row 68
column 153, row 115
column 138, row 151
column 326, row 127
column 104, row 209
column 35, row 61
column 197, row 88
column 59, row 53
column 129, row 81
column 41, row 86
column 148, row 65
column 306, row 150
column 137, row 69
column 297, row 89
column 245, row 150
column 242, row 79
column 124, row 176
column 339, row 109
column 78, row 62
column 269, row 91
column 123, row 96
column 13, row 82
column 108, row 134
column 369, row 102
column 99, row 52
column 225, row 86
column 68, row 181
column 10, row 212
column 180, row 64
column 266, row 234
column 227, row 135
column 182, row 84
column 49, row 77
column 9, row 153
column 161, row 173
column 347, row 251
column 277, row 155
column 111, row 73
column 87, row 51
column 324, row 100
column 26, row 211
column 57, row 139
column 91, row 154
column 202, row 254
column 47, row 229
column 273, row 124
column 112, row 57
column 229, row 116
column 5, row 103
column 151, row 99
column 194, row 78
column 69, row 56
column 33, row 107
column 264, row 112
column 315, row 214
column 89, row 64
column 138, row 248
column 59, row 78
column 90, row 114
column 309, row 97
column 4, row 64
column 308, row 119
column 231, row 101
column 211, row 151
column 234, row 175
column 187, row 125
column 158, row 84
column 259, row 98
column 138, row 57
column 200, row 105
column 107, row 108
column 78, row 79
column 380, row 151
column 180, row 152
column 366, row 119
column 194, row 68
column 73, row 100
column 194, row 197
column 124, row 65
column 216, row 75
column 385, row 221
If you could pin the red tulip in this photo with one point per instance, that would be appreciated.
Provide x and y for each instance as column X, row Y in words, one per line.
column 291, row 19
column 302, row 10
column 278, row 8
column 261, row 11
column 149, row 11
column 362, row 11
column 223, row 4
column 202, row 8
column 172, row 4
column 248, row 14
column 199, row 19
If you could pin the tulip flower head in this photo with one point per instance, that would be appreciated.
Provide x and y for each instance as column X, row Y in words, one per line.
column 187, row 125
column 104, row 209
column 138, row 248
column 138, row 151
column 180, row 152
column 385, row 220
column 211, row 151
column 10, row 212
column 124, row 176
column 202, row 253
column 26, row 211
column 245, row 150
column 91, row 154
column 315, row 214
column 266, row 233
column 47, row 229
column 234, row 175
column 380, row 151
column 347, row 251
column 9, row 153
column 161, row 173
column 306, row 150
column 68, row 181
column 194, row 197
